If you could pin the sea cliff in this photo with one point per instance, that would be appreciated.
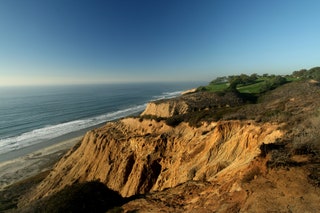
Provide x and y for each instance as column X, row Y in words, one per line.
column 225, row 165
column 136, row 157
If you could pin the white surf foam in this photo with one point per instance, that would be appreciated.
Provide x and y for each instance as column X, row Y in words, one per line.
column 167, row 95
column 49, row 132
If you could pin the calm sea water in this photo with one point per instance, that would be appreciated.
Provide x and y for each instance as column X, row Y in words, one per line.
column 32, row 115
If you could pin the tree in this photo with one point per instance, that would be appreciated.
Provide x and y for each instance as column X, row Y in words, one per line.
column 219, row 80
column 234, row 81
column 300, row 74
column 314, row 73
column 278, row 80
column 273, row 83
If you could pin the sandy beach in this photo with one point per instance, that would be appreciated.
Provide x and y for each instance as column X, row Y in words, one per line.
column 12, row 171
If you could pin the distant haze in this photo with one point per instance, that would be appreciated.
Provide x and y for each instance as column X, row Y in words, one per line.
column 93, row 41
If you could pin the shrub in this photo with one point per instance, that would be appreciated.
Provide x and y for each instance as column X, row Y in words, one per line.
column 279, row 158
column 201, row 89
column 174, row 120
column 272, row 83
column 314, row 176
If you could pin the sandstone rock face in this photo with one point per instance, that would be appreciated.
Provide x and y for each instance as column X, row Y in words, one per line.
column 189, row 91
column 166, row 109
column 134, row 157
column 191, row 102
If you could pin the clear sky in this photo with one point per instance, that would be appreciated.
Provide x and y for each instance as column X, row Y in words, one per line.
column 78, row 41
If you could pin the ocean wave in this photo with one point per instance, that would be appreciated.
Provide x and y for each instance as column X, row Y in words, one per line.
column 166, row 95
column 49, row 132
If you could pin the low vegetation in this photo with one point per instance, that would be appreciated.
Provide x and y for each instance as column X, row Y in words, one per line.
column 253, row 84
column 247, row 95
column 256, row 84
column 313, row 73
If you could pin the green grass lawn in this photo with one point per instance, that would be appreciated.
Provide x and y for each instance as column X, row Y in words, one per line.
column 254, row 88
column 290, row 79
column 217, row 87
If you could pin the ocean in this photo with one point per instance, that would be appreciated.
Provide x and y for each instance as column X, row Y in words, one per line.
column 30, row 116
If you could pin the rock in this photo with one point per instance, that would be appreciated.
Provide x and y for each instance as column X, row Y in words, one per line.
column 135, row 157
column 166, row 109
column 189, row 91
column 191, row 102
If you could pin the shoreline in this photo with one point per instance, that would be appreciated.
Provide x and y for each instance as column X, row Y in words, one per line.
column 42, row 145
column 30, row 149
column 24, row 163
column 41, row 160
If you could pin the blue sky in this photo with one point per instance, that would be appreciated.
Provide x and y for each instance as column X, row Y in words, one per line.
column 77, row 41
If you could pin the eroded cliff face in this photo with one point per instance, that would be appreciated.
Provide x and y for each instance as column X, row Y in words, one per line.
column 191, row 102
column 267, row 161
column 166, row 109
column 134, row 157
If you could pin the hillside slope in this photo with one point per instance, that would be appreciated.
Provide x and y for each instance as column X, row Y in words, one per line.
column 267, row 160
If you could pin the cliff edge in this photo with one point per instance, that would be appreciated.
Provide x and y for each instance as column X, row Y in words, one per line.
column 190, row 103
